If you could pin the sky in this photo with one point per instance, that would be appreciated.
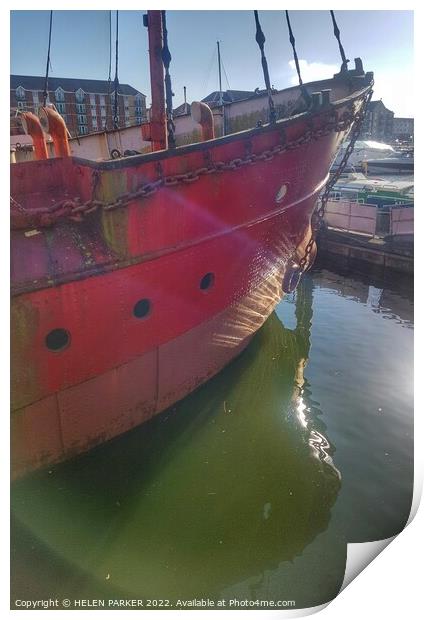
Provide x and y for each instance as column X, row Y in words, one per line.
column 80, row 48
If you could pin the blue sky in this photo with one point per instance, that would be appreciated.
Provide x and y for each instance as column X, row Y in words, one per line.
column 80, row 48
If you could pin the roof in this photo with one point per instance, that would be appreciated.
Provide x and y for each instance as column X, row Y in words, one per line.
column 228, row 96
column 182, row 109
column 35, row 82
column 375, row 104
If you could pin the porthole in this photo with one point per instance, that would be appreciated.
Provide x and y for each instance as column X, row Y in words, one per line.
column 207, row 281
column 281, row 193
column 142, row 309
column 58, row 339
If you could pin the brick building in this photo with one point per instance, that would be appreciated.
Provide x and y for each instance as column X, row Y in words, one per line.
column 86, row 105
column 378, row 123
column 403, row 129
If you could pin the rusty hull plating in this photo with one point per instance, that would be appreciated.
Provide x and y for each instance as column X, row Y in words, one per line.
column 136, row 280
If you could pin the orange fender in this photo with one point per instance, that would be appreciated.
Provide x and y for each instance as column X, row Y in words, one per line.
column 54, row 124
column 32, row 127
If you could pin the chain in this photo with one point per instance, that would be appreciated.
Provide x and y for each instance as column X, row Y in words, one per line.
column 318, row 215
column 76, row 210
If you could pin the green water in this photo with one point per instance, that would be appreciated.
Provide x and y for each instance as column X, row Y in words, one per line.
column 251, row 486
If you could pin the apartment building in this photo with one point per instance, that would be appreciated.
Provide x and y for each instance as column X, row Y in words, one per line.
column 378, row 123
column 403, row 128
column 86, row 105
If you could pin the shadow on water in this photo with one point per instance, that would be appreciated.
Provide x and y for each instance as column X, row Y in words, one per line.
column 220, row 494
column 361, row 367
column 387, row 292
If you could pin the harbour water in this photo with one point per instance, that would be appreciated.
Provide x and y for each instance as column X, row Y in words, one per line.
column 251, row 487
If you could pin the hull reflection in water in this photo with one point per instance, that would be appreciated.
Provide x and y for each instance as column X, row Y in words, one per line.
column 231, row 482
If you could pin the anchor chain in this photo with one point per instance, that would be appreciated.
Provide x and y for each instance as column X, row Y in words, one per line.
column 76, row 210
column 318, row 215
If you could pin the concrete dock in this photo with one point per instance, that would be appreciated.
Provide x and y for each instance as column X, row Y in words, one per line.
column 387, row 253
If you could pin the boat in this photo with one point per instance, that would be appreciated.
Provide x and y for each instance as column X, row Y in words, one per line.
column 363, row 151
column 356, row 187
column 397, row 163
column 136, row 280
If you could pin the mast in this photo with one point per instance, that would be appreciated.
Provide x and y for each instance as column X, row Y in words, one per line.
column 158, row 132
column 221, row 99
column 219, row 74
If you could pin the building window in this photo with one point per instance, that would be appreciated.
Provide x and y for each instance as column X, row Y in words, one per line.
column 82, row 120
column 93, row 110
column 35, row 97
column 82, row 129
column 139, row 104
column 80, row 108
column 60, row 107
column 20, row 93
column 21, row 105
column 79, row 95
column 102, row 100
column 92, row 99
column 59, row 94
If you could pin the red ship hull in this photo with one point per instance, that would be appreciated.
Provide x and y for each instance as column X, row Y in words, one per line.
column 155, row 293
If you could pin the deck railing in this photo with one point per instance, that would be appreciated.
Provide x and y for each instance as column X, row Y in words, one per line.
column 369, row 220
column 402, row 220
column 351, row 217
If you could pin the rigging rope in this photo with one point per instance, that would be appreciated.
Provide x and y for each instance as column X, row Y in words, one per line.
column 166, row 59
column 337, row 35
column 207, row 74
column 260, row 39
column 110, row 47
column 116, row 81
column 109, row 80
column 303, row 89
column 46, row 81
column 225, row 73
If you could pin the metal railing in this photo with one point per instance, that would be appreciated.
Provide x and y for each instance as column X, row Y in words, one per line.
column 402, row 220
column 369, row 220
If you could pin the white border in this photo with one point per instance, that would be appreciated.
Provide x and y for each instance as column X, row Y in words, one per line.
column 391, row 585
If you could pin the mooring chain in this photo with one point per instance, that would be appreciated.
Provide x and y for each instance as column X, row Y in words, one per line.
column 76, row 210
column 318, row 215
column 355, row 131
